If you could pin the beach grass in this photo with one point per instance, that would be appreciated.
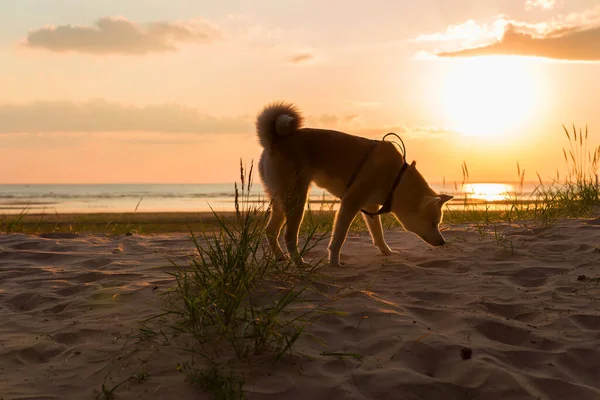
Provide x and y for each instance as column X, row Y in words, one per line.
column 234, row 301
column 216, row 383
column 575, row 195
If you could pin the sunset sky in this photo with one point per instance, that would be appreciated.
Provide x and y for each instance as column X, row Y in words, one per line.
column 111, row 91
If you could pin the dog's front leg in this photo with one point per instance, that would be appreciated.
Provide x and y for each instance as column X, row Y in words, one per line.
column 376, row 231
column 342, row 222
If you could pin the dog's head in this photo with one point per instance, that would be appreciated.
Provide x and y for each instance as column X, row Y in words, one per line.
column 418, row 207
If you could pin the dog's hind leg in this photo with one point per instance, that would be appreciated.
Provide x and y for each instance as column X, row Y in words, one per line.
column 343, row 219
column 294, row 204
column 268, row 167
column 274, row 228
column 376, row 231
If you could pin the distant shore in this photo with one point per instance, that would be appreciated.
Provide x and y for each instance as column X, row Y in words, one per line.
column 114, row 223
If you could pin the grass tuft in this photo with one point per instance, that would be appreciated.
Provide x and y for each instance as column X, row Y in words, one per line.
column 13, row 224
column 233, row 299
column 215, row 383
column 576, row 195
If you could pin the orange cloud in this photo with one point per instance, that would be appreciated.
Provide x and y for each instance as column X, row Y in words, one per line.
column 102, row 116
column 119, row 36
column 574, row 44
column 181, row 124
column 301, row 58
column 417, row 132
column 468, row 32
column 543, row 4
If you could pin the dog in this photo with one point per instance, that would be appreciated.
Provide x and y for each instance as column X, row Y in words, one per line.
column 363, row 173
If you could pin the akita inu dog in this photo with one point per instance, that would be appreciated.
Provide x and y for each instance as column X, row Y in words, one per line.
column 363, row 173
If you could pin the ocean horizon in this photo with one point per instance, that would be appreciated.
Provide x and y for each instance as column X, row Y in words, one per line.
column 108, row 198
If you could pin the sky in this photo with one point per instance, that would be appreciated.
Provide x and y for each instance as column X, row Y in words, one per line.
column 148, row 91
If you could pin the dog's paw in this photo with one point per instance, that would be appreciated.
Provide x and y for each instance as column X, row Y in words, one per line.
column 281, row 257
column 302, row 262
column 336, row 264
column 388, row 252
column 298, row 261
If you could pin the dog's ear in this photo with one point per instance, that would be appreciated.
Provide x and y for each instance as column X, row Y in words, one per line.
column 438, row 200
column 413, row 164
column 428, row 200
column 444, row 198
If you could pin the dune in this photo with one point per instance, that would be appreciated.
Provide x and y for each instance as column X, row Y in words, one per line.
column 481, row 318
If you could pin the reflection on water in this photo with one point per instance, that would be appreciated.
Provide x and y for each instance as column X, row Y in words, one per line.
column 488, row 191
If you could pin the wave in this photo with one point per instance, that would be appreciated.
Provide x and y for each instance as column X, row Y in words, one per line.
column 67, row 196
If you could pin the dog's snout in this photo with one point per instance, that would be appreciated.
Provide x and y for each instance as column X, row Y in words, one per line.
column 436, row 242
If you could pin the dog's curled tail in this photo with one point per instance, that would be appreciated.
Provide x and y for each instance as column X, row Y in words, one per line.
column 277, row 119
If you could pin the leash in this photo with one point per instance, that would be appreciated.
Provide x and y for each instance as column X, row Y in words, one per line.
column 387, row 206
column 402, row 148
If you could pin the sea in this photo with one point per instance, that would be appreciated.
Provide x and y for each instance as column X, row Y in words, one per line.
column 119, row 198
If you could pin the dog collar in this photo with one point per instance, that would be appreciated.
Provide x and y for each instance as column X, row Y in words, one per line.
column 387, row 206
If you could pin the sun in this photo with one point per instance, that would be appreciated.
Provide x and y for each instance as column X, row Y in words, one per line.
column 488, row 191
column 489, row 96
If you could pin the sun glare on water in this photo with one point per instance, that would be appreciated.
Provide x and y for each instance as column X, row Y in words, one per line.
column 489, row 96
column 488, row 191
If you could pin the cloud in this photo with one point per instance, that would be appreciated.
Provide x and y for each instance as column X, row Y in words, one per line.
column 573, row 44
column 287, row 42
column 163, row 140
column 470, row 32
column 431, row 131
column 102, row 116
column 365, row 104
column 111, row 35
column 244, row 28
column 331, row 121
column 467, row 32
column 40, row 141
column 543, row 4
column 569, row 36
column 417, row 132
column 346, row 123
column 299, row 58
column 301, row 54
column 162, row 124
column 355, row 124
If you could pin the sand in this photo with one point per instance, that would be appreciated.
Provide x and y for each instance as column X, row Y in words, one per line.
column 70, row 305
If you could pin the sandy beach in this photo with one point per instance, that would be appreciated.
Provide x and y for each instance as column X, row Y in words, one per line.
column 525, row 306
